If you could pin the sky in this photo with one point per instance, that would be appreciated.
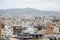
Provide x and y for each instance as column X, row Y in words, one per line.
column 53, row 5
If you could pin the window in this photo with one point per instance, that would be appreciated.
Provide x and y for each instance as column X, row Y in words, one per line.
column 59, row 29
column 2, row 26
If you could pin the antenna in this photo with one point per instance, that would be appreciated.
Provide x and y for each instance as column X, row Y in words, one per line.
column 13, row 4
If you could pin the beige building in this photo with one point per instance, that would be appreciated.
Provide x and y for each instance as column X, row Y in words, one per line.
column 57, row 29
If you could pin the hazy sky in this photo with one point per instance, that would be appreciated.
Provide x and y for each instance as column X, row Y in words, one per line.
column 37, row 4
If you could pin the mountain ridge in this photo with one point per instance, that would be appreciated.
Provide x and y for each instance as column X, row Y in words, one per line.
column 27, row 11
